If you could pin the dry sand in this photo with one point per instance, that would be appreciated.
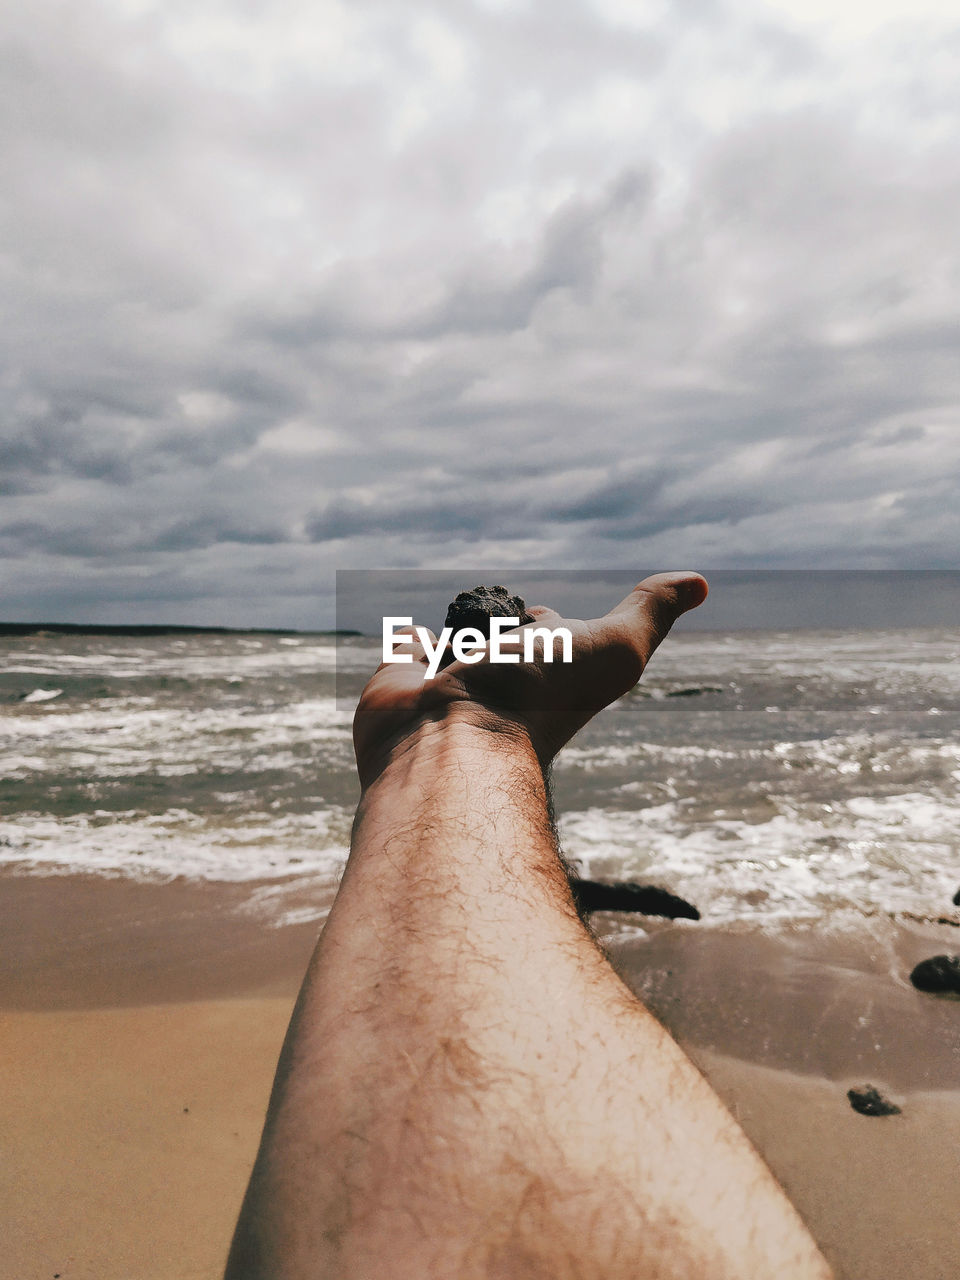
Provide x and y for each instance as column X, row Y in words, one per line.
column 878, row 1193
column 141, row 1027
column 127, row 1136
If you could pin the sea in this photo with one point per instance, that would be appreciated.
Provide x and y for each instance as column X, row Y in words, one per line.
column 766, row 776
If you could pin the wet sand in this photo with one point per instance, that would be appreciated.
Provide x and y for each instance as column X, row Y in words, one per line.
column 140, row 1027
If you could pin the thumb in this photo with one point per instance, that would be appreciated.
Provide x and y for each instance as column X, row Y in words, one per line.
column 654, row 605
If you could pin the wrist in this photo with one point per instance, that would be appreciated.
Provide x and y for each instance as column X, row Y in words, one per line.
column 457, row 800
column 458, row 739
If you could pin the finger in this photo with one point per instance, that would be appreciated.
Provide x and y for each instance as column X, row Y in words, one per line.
column 541, row 616
column 408, row 641
column 542, row 613
column 645, row 616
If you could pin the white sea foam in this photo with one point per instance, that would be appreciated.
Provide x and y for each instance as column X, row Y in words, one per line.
column 863, row 753
column 122, row 738
column 42, row 695
column 601, row 756
column 895, row 853
column 253, row 660
column 179, row 843
column 310, row 901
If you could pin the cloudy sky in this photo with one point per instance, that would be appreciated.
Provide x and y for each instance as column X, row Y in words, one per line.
column 300, row 285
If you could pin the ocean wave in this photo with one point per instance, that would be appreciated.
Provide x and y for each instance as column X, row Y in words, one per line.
column 179, row 843
column 129, row 722
column 866, row 854
column 247, row 659
column 815, row 776
column 601, row 756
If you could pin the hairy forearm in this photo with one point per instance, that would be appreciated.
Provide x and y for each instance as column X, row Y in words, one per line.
column 453, row 870
column 467, row 805
column 408, row 1004
column 462, row 1052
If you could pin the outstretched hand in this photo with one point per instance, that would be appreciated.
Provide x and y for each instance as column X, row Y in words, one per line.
column 545, row 703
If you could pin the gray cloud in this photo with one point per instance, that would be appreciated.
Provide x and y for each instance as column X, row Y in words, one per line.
column 288, row 289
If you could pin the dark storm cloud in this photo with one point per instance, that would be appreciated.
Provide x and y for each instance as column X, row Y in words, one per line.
column 620, row 510
column 294, row 288
column 93, row 540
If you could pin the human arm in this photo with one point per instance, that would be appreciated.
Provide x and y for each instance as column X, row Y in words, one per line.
column 467, row 1089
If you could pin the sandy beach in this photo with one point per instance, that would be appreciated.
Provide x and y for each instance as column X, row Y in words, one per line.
column 141, row 1025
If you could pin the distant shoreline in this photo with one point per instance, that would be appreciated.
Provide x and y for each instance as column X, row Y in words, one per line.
column 155, row 629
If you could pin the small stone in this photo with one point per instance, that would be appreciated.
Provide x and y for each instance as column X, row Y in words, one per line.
column 956, row 898
column 475, row 609
column 940, row 975
column 869, row 1101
